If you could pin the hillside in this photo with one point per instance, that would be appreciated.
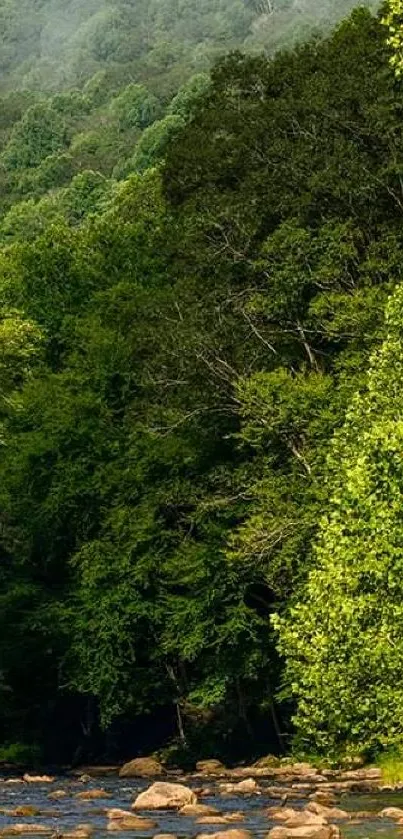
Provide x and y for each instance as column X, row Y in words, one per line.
column 196, row 257
column 52, row 44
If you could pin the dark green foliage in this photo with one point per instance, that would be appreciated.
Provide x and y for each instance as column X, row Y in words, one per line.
column 197, row 279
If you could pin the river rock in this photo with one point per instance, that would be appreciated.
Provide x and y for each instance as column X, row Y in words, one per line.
column 327, row 812
column 131, row 822
column 19, row 829
column 210, row 767
column 328, row 799
column 237, row 816
column 199, row 810
column 92, row 794
column 309, row 831
column 301, row 769
column 82, row 831
column 165, row 836
column 58, row 793
column 38, row 779
column 164, row 796
column 141, row 767
column 281, row 814
column 96, row 771
column 391, row 813
column 248, row 787
column 234, row 833
column 24, row 811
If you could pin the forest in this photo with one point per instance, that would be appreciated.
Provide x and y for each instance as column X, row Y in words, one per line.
column 201, row 333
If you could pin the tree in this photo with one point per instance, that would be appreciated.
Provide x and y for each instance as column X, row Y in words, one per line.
column 342, row 636
column 393, row 19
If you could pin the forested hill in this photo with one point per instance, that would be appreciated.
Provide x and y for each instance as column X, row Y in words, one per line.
column 48, row 44
column 198, row 474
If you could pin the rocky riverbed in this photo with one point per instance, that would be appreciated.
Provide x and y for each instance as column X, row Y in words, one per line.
column 293, row 803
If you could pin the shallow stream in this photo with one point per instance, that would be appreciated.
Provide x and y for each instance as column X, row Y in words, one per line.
column 67, row 813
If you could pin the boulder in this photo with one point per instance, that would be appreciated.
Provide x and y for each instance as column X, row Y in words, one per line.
column 232, row 833
column 164, row 796
column 141, row 767
column 199, row 810
column 309, row 831
column 210, row 767
column 92, row 794
column 238, row 816
column 58, row 793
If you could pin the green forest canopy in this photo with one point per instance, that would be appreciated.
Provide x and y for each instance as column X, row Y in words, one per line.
column 194, row 272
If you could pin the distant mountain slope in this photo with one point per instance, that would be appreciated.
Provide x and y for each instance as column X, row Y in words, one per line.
column 50, row 44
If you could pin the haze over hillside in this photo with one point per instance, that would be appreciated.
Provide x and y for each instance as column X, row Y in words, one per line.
column 53, row 43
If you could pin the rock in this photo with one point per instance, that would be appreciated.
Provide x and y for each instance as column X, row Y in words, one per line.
column 328, row 799
column 199, row 810
column 281, row 814
column 302, row 819
column 164, row 796
column 248, row 787
column 18, row 829
column 141, row 767
column 82, row 831
column 302, row 769
column 391, row 813
column 96, row 771
column 283, row 792
column 211, row 820
column 372, row 774
column 205, row 792
column 165, row 836
column 210, row 767
column 312, row 831
column 38, row 779
column 58, row 793
column 238, row 816
column 14, row 781
column 131, row 822
column 92, row 794
column 24, row 811
column 84, row 779
column 234, row 833
column 327, row 812
column 267, row 762
column 117, row 813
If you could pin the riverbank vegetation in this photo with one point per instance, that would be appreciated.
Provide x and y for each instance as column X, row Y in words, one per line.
column 200, row 476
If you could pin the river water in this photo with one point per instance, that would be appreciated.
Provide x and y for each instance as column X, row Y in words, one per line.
column 67, row 813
